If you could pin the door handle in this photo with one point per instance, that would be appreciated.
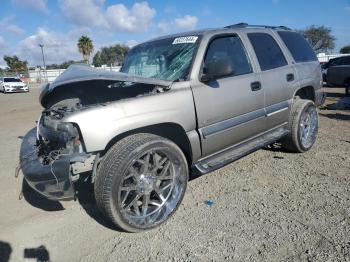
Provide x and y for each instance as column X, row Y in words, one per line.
column 290, row 77
column 255, row 86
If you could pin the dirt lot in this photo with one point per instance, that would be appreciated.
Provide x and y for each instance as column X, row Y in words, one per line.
column 270, row 206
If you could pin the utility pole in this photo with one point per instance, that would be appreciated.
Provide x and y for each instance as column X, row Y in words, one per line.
column 42, row 52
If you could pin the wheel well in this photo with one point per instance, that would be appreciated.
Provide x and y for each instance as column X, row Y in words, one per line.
column 171, row 131
column 306, row 92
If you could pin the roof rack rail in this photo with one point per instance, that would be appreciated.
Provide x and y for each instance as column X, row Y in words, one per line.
column 245, row 25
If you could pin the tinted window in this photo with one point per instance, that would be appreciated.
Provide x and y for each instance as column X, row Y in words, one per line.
column 339, row 61
column 268, row 52
column 298, row 46
column 347, row 60
column 344, row 61
column 11, row 79
column 333, row 62
column 229, row 47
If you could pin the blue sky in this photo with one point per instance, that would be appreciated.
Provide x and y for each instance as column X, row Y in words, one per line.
column 58, row 24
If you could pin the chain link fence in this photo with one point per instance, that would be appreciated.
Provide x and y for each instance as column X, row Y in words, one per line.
column 38, row 76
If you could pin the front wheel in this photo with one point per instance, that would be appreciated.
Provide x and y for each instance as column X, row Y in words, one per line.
column 141, row 181
column 303, row 126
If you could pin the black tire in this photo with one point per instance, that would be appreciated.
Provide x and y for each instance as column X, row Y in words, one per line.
column 296, row 141
column 347, row 89
column 115, row 168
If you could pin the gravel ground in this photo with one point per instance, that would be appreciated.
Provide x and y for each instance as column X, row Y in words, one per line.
column 269, row 206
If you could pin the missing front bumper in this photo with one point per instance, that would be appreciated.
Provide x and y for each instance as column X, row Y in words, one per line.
column 52, row 181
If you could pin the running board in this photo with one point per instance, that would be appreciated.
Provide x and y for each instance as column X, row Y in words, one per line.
column 234, row 153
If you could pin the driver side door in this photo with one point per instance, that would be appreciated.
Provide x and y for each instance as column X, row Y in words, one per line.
column 229, row 109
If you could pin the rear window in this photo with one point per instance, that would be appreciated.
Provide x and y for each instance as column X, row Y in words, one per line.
column 298, row 46
column 268, row 52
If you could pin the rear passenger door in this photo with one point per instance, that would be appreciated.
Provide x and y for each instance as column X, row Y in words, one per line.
column 276, row 75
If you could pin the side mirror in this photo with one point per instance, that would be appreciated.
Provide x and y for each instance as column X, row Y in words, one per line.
column 217, row 69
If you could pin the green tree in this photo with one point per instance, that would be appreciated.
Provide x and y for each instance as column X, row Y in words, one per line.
column 112, row 55
column 15, row 64
column 64, row 65
column 345, row 49
column 319, row 37
column 85, row 47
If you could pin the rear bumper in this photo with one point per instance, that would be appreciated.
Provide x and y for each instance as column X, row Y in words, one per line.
column 52, row 181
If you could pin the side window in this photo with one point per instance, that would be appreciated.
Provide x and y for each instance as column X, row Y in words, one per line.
column 268, row 52
column 229, row 47
column 339, row 61
column 298, row 46
column 347, row 60
column 344, row 61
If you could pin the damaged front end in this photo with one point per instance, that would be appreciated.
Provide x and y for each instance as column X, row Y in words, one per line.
column 52, row 157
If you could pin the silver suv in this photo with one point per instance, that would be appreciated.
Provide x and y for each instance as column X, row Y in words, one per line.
column 191, row 101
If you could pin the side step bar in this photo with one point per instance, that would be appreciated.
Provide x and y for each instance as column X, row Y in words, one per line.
column 234, row 153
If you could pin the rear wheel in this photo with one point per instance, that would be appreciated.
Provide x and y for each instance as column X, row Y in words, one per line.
column 303, row 126
column 141, row 181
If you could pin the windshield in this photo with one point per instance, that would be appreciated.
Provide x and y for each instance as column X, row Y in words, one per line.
column 12, row 79
column 166, row 59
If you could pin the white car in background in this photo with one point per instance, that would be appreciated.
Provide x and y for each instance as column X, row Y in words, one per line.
column 12, row 84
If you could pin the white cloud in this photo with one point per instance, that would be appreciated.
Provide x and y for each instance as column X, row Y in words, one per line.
column 136, row 19
column 131, row 43
column 171, row 9
column 84, row 12
column 2, row 43
column 57, row 47
column 39, row 5
column 187, row 22
column 7, row 24
column 164, row 27
column 116, row 17
column 15, row 29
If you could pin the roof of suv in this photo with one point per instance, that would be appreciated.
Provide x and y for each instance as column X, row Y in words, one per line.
column 230, row 28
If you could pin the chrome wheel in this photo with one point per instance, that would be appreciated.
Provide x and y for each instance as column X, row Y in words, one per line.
column 151, row 187
column 308, row 127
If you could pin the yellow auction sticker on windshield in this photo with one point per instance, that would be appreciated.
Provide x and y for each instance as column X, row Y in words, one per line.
column 185, row 40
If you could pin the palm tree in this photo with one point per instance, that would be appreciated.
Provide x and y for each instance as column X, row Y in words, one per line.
column 85, row 47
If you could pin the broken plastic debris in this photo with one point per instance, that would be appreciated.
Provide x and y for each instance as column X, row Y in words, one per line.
column 209, row 202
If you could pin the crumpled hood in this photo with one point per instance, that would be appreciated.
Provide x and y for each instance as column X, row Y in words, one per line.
column 77, row 74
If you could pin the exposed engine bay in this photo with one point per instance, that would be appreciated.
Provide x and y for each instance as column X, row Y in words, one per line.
column 76, row 96
column 53, row 155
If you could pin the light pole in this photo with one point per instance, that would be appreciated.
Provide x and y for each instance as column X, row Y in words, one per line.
column 42, row 52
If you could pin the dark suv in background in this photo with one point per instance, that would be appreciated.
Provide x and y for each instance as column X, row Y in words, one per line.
column 336, row 72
